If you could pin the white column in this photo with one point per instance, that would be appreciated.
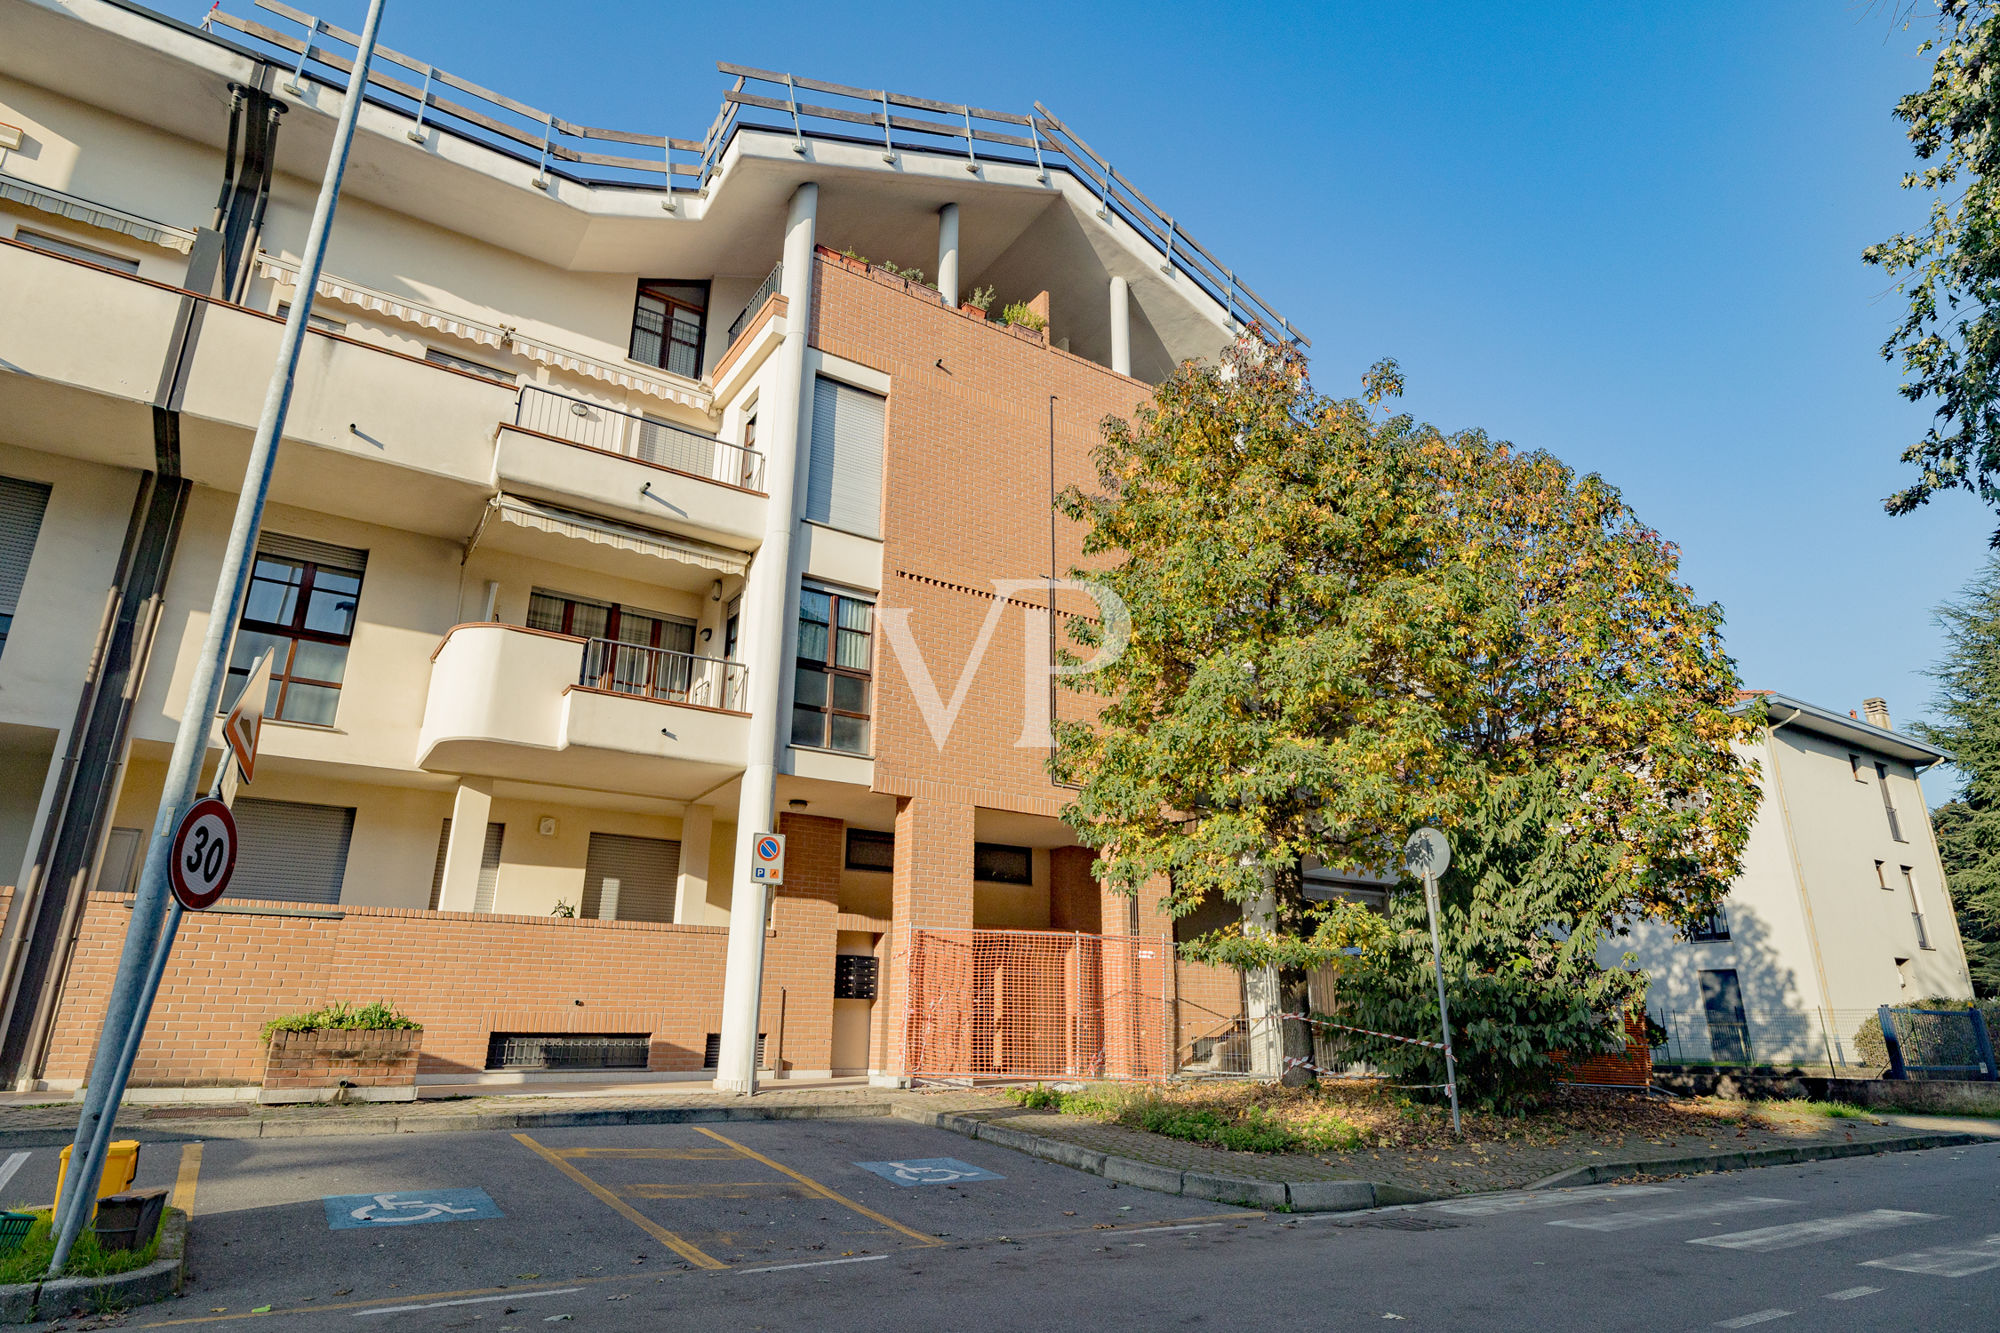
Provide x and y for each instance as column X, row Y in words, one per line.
column 774, row 576
column 1262, row 1002
column 948, row 255
column 691, row 889
column 1121, row 327
column 471, row 810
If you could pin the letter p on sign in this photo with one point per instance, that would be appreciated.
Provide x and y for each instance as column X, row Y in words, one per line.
column 767, row 859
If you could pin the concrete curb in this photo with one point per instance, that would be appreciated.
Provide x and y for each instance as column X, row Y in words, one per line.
column 305, row 1125
column 1597, row 1173
column 27, row 1302
column 1299, row 1196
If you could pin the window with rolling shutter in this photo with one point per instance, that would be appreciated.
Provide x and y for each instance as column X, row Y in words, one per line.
column 844, row 476
column 489, row 866
column 22, row 504
column 290, row 851
column 644, row 871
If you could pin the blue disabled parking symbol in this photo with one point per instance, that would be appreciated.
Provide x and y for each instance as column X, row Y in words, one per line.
column 401, row 1208
column 929, row 1171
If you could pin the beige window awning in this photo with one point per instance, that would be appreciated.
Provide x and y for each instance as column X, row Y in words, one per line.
column 621, row 536
column 45, row 200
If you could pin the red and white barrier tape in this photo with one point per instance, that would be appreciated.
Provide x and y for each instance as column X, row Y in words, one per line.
column 1370, row 1032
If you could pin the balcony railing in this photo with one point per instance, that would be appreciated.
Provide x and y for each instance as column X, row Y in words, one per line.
column 645, row 438
column 763, row 294
column 662, row 673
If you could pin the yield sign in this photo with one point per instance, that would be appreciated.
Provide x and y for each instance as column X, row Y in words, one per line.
column 245, row 722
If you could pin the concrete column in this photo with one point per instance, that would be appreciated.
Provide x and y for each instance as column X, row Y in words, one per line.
column 691, row 889
column 1262, row 999
column 471, row 810
column 1121, row 327
column 771, row 591
column 948, row 255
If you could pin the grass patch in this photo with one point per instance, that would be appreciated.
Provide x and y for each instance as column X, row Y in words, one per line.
column 1831, row 1110
column 31, row 1261
column 1242, row 1127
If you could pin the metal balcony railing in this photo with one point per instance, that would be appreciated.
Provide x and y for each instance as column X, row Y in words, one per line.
column 662, row 673
column 645, row 438
column 975, row 135
column 763, row 294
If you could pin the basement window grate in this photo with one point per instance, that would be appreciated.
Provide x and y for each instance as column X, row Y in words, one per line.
column 568, row 1050
column 711, row 1051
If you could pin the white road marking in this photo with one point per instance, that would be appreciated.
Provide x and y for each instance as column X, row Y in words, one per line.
column 1685, row 1213
column 1813, row 1232
column 14, row 1162
column 1852, row 1293
column 816, row 1263
column 1946, row 1261
column 1760, row 1317
column 1490, row 1205
column 468, row 1300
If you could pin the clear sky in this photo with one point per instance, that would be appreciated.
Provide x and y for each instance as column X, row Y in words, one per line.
column 1625, row 233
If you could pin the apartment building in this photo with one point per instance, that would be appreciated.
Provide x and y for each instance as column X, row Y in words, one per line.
column 623, row 512
column 1841, row 906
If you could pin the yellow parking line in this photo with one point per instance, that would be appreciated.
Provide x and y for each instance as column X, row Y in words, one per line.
column 822, row 1190
column 184, row 1183
column 624, row 1209
column 661, row 1154
column 726, row 1189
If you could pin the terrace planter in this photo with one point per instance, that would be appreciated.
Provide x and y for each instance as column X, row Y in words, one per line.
column 342, row 1065
column 973, row 311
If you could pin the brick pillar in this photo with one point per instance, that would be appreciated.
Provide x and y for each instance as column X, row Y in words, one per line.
column 800, row 958
column 931, row 888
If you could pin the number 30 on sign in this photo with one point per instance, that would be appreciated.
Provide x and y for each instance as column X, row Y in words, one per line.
column 204, row 854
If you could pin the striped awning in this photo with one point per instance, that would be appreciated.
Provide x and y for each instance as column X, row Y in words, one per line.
column 622, row 536
column 44, row 200
column 487, row 335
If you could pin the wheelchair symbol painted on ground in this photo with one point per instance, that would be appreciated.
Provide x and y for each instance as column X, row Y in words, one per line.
column 400, row 1208
column 929, row 1171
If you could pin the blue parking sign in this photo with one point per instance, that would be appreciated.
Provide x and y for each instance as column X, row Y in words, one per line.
column 402, row 1208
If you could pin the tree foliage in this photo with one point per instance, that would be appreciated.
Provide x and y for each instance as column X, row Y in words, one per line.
column 1968, row 828
column 1949, row 269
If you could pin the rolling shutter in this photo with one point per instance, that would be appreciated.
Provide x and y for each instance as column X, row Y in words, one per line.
column 291, row 852
column 489, row 866
column 324, row 554
column 22, row 504
column 844, row 478
column 646, row 870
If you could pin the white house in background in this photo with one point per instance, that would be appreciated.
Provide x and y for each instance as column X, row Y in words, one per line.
column 1841, row 906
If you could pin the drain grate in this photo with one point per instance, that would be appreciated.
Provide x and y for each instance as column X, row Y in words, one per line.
column 1405, row 1222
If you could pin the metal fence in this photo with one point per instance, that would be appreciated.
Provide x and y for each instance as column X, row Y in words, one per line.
column 634, row 435
column 757, row 299
column 662, row 673
column 1834, row 1038
column 1937, row 1043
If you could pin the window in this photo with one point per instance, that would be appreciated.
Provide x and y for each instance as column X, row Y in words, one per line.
column 869, row 850
column 1881, row 879
column 832, row 688
column 56, row 245
column 668, row 325
column 633, row 651
column 290, row 851
column 118, row 869
column 630, row 879
column 479, row 368
column 999, row 863
column 1854, row 767
column 1889, row 803
column 1917, row 910
column 324, row 323
column 22, row 504
column 301, row 605
column 844, row 473
column 732, row 628
column 1713, row 927
column 489, row 866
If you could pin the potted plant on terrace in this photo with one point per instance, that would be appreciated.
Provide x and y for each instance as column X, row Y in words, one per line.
column 978, row 302
column 342, row 1052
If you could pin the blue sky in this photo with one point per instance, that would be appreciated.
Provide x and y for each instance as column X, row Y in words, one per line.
column 1627, row 234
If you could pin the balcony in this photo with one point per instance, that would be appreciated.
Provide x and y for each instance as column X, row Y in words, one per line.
column 638, row 467
column 509, row 702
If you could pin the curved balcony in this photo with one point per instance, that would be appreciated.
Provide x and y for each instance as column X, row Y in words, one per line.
column 510, row 702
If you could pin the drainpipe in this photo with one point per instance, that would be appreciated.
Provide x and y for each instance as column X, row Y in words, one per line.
column 948, row 255
column 1798, row 866
column 774, row 576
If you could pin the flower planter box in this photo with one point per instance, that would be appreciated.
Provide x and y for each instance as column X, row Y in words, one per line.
column 973, row 311
column 342, row 1065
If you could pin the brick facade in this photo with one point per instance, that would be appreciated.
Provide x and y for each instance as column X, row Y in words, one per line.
column 336, row 1057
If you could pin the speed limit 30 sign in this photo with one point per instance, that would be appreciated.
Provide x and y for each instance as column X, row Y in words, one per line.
column 204, row 854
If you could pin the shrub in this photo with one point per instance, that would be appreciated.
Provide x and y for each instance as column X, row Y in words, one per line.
column 980, row 299
column 378, row 1016
column 1868, row 1043
column 1019, row 312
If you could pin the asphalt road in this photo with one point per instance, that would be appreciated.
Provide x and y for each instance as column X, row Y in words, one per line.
column 777, row 1225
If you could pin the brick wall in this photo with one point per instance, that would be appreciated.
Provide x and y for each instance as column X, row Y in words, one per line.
column 463, row 975
column 362, row 1058
column 1632, row 1067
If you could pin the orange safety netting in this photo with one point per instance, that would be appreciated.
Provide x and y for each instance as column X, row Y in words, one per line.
column 1039, row 1004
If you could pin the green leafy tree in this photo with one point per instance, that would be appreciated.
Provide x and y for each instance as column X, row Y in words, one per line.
column 1949, row 269
column 1344, row 625
column 1968, row 827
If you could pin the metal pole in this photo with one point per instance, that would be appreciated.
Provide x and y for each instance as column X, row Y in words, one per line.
column 122, row 1014
column 1444, row 1014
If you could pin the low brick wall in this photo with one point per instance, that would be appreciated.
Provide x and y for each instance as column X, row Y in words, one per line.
column 342, row 1057
column 463, row 975
column 1629, row 1068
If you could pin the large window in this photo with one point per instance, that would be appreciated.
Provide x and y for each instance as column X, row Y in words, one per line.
column 1889, row 803
column 833, row 694
column 633, row 651
column 56, row 245
column 1002, row 863
column 844, row 466
column 22, row 504
column 301, row 605
column 668, row 324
